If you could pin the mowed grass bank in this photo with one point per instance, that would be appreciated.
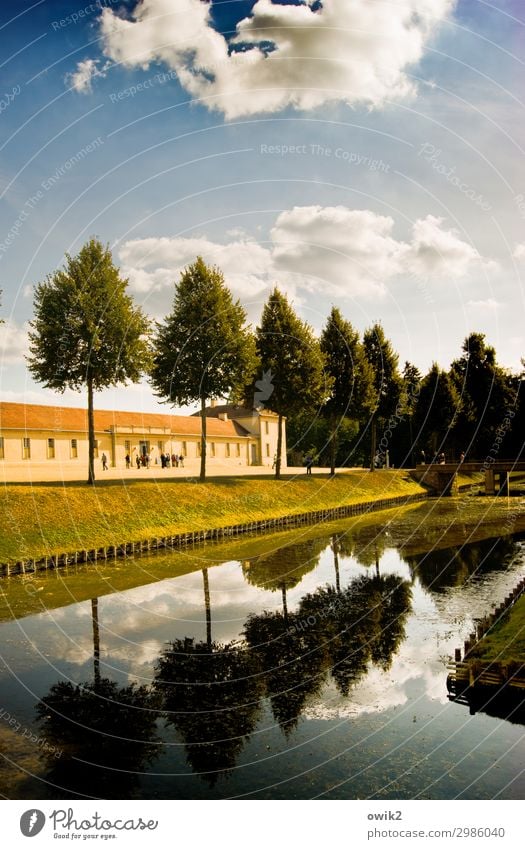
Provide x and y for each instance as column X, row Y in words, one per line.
column 505, row 642
column 51, row 518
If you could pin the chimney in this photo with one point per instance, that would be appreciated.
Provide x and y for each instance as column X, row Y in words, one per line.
column 213, row 403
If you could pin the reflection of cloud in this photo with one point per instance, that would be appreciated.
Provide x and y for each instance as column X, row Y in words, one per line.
column 282, row 55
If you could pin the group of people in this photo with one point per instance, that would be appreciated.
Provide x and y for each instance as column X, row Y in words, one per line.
column 440, row 459
column 173, row 460
column 144, row 460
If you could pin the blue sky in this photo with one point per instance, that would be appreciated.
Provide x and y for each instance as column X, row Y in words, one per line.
column 363, row 153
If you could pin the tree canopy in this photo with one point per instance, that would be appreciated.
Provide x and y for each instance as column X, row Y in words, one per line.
column 86, row 330
column 288, row 349
column 203, row 349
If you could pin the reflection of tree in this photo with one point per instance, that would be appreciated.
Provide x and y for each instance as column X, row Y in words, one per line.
column 285, row 568
column 440, row 569
column 363, row 623
column 210, row 694
column 96, row 728
column 291, row 663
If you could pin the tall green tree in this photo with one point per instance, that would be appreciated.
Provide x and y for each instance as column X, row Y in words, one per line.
column 486, row 395
column 386, row 380
column 287, row 347
column 351, row 394
column 203, row 349
column 87, row 331
column 410, row 388
column 437, row 408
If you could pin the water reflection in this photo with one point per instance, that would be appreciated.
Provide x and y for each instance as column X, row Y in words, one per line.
column 348, row 625
column 94, row 728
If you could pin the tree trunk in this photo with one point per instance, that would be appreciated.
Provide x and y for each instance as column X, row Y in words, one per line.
column 285, row 604
column 96, row 642
column 207, row 605
column 373, row 441
column 333, row 446
column 91, row 433
column 335, row 549
column 279, row 447
column 378, row 574
column 203, row 438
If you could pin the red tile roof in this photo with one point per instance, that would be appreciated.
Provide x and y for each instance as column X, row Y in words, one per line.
column 38, row 417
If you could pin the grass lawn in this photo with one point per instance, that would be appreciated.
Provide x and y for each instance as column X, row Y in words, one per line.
column 506, row 641
column 51, row 518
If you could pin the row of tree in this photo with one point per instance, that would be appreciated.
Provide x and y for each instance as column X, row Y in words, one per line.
column 344, row 398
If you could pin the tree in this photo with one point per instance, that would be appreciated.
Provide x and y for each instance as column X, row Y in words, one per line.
column 288, row 349
column 87, row 331
column 351, row 373
column 486, row 395
column 203, row 349
column 410, row 388
column 386, row 379
column 437, row 408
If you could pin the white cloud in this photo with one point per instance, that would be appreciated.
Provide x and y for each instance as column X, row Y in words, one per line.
column 352, row 52
column 81, row 80
column 519, row 251
column 487, row 305
column 13, row 343
column 343, row 251
column 155, row 264
column 331, row 250
column 438, row 252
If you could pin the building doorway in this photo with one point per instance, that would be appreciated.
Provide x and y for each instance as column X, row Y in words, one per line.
column 253, row 455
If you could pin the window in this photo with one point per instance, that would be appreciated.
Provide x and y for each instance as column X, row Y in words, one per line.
column 199, row 448
column 127, row 446
column 160, row 446
column 266, row 428
column 26, row 448
column 238, row 449
column 184, row 449
column 228, row 450
column 96, row 446
column 267, row 449
column 50, row 449
column 74, row 448
column 2, row 455
column 212, row 449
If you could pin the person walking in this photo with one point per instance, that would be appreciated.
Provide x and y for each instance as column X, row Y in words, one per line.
column 104, row 463
column 181, row 461
column 309, row 461
column 128, row 461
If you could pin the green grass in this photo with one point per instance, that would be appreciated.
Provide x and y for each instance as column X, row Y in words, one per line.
column 505, row 643
column 48, row 518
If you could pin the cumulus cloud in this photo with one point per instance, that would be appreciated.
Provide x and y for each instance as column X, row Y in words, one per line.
column 489, row 305
column 519, row 251
column 13, row 342
column 331, row 250
column 281, row 55
column 436, row 251
column 81, row 80
column 347, row 251
column 155, row 264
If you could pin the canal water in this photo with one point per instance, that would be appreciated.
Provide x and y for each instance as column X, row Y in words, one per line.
column 311, row 664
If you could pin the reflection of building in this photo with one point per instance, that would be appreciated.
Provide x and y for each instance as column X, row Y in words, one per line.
column 31, row 433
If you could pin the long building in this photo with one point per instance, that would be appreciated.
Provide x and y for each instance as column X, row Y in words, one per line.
column 35, row 434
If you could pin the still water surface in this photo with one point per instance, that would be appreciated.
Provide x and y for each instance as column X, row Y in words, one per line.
column 304, row 665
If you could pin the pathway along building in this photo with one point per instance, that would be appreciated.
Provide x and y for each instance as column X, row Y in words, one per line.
column 45, row 435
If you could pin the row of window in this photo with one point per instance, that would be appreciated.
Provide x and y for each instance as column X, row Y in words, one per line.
column 231, row 450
